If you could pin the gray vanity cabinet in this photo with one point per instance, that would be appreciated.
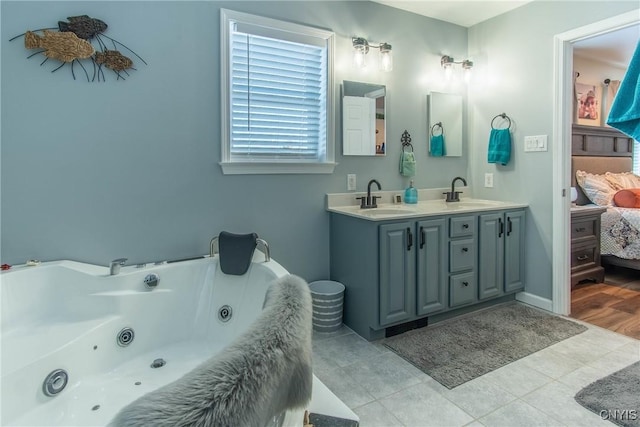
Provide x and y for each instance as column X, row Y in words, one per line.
column 431, row 283
column 400, row 271
column 463, row 287
column 397, row 272
column 514, row 256
column 501, row 253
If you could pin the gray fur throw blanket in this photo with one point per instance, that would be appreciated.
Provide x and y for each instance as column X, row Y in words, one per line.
column 265, row 371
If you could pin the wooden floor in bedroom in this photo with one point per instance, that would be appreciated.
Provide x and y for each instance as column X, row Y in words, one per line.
column 614, row 304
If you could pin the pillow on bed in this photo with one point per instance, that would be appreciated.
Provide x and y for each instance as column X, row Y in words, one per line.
column 627, row 198
column 596, row 187
column 623, row 180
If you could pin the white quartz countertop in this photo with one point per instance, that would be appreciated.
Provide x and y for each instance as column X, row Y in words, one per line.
column 391, row 211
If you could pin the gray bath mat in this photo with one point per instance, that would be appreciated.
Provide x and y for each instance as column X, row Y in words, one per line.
column 467, row 347
column 615, row 397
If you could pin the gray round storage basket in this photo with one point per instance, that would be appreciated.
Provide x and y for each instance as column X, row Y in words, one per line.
column 328, row 300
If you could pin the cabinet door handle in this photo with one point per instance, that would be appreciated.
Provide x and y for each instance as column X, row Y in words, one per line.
column 465, row 225
column 465, row 284
column 582, row 257
column 409, row 239
column 423, row 237
column 465, row 249
column 509, row 226
column 580, row 229
column 500, row 227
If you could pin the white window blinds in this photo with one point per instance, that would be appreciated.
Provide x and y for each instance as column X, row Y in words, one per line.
column 636, row 157
column 277, row 96
column 278, row 99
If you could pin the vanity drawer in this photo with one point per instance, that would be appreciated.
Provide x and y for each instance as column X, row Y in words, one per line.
column 462, row 289
column 462, row 255
column 461, row 226
column 584, row 228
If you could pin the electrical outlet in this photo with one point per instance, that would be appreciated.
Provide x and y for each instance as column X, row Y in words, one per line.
column 488, row 180
column 351, row 182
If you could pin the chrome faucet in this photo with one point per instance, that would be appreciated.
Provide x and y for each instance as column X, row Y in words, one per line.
column 370, row 201
column 453, row 195
column 114, row 266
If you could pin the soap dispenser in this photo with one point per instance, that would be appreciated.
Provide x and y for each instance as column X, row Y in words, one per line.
column 411, row 194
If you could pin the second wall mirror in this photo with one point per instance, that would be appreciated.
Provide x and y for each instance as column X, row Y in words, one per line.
column 363, row 119
column 445, row 118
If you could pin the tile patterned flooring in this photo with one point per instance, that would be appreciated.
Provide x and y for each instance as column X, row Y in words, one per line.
column 385, row 390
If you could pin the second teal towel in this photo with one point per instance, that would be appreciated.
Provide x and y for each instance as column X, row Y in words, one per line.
column 499, row 146
column 437, row 147
column 625, row 111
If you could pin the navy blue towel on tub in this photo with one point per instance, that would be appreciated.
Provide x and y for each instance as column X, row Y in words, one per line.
column 499, row 146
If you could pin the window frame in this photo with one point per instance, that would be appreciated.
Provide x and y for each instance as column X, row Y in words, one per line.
column 273, row 166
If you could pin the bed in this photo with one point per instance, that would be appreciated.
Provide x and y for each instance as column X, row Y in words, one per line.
column 598, row 150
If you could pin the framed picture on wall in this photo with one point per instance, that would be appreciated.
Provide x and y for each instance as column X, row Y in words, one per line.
column 588, row 99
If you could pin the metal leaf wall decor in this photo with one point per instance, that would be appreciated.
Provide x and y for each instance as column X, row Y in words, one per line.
column 71, row 43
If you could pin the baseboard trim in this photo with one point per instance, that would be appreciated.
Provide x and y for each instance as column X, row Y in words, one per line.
column 535, row 300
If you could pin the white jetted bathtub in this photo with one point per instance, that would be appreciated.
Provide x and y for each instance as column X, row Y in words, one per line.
column 114, row 338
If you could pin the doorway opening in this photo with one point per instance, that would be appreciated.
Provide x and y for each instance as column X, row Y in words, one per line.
column 562, row 123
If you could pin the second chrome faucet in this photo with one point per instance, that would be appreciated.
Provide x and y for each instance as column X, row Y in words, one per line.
column 453, row 195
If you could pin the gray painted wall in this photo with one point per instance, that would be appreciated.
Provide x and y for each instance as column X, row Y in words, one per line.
column 92, row 172
column 513, row 55
column 96, row 171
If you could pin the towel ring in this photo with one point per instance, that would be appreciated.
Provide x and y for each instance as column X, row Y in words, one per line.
column 406, row 140
column 439, row 124
column 504, row 116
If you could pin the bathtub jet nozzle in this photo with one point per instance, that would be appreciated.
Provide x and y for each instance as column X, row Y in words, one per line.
column 55, row 382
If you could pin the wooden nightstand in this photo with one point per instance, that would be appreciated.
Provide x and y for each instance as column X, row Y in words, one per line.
column 585, row 244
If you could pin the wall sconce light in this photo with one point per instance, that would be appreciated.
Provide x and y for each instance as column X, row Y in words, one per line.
column 361, row 48
column 448, row 62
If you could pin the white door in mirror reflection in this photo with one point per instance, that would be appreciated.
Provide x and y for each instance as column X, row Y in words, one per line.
column 359, row 125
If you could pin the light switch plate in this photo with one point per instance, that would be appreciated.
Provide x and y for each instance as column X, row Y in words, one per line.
column 535, row 143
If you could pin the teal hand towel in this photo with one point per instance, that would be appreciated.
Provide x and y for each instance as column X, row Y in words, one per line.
column 625, row 111
column 407, row 163
column 499, row 146
column 437, row 147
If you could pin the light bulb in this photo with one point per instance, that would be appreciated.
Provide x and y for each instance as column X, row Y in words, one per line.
column 359, row 59
column 448, row 72
column 386, row 58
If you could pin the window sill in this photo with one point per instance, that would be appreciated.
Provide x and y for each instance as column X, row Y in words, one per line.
column 265, row 168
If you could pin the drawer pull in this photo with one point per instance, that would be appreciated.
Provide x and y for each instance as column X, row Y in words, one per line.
column 582, row 257
column 465, row 284
column 580, row 229
column 465, row 225
column 465, row 249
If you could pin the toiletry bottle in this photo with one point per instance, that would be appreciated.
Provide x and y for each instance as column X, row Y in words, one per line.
column 411, row 194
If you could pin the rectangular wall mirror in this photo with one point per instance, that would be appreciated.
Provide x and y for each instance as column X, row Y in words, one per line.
column 363, row 119
column 445, row 118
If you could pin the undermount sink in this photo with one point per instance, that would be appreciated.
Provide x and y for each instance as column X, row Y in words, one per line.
column 471, row 204
column 387, row 211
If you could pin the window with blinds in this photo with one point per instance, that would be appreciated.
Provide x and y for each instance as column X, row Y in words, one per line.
column 277, row 97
